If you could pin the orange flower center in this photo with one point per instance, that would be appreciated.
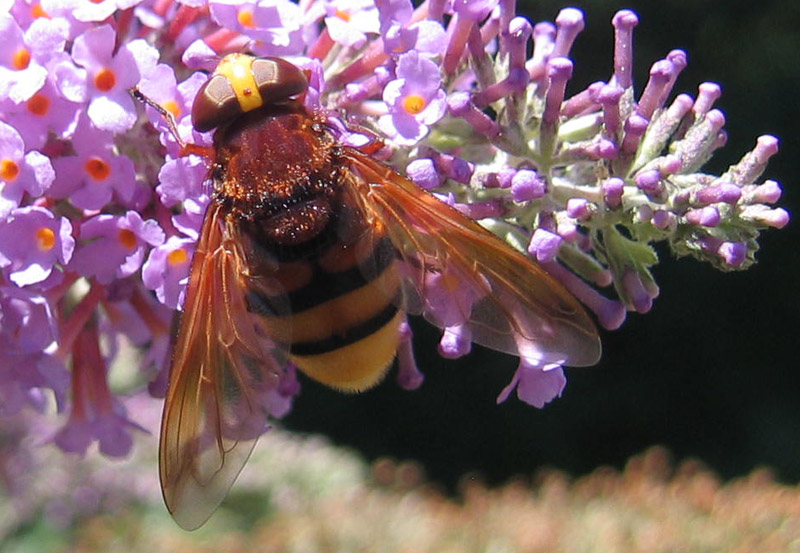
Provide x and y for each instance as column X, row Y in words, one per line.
column 21, row 59
column 245, row 18
column 414, row 103
column 127, row 238
column 45, row 239
column 38, row 11
column 172, row 107
column 343, row 15
column 39, row 105
column 98, row 169
column 105, row 80
column 177, row 257
column 8, row 169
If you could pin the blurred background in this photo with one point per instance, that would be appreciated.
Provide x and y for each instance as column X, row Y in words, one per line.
column 710, row 374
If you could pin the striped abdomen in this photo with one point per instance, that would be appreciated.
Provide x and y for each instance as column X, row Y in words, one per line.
column 343, row 320
column 282, row 181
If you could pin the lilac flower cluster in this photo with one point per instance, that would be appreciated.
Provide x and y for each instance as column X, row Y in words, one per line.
column 99, row 211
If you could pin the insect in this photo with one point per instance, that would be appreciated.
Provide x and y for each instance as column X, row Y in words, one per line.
column 313, row 252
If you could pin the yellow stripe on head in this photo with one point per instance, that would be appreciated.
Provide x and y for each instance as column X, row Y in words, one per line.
column 237, row 68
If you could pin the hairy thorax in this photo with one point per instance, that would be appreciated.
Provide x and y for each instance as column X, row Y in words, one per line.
column 277, row 169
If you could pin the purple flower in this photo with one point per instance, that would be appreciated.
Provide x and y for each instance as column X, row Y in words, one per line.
column 536, row 384
column 24, row 375
column 274, row 26
column 160, row 85
column 44, row 112
column 166, row 270
column 527, row 185
column 456, row 342
column 350, row 21
column 191, row 219
column 181, row 179
column 28, row 318
column 415, row 99
column 423, row 172
column 114, row 247
column 20, row 171
column 449, row 300
column 393, row 13
column 32, row 242
column 90, row 178
column 544, row 245
column 28, row 328
column 21, row 69
column 102, row 77
column 400, row 35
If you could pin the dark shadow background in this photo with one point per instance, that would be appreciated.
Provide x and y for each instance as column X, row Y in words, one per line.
column 710, row 372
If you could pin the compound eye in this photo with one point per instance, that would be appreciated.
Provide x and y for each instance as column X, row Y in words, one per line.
column 278, row 80
column 215, row 103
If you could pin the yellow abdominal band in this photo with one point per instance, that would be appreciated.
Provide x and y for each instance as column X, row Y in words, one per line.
column 357, row 366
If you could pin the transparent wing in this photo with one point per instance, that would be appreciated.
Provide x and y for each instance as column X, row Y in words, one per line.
column 456, row 273
column 222, row 371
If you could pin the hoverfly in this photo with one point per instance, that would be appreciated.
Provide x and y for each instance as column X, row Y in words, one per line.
column 313, row 252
